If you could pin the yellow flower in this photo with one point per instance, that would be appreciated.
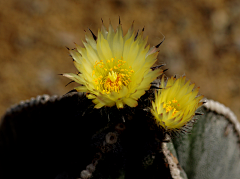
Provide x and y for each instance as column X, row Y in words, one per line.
column 114, row 69
column 175, row 103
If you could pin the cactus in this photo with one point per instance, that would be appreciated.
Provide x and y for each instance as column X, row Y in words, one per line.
column 55, row 135
column 65, row 137
column 212, row 148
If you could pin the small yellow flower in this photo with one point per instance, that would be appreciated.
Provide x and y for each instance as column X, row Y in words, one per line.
column 175, row 103
column 114, row 69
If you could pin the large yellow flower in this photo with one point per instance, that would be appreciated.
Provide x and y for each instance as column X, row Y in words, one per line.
column 175, row 103
column 114, row 69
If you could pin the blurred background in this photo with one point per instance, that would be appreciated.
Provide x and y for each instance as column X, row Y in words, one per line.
column 202, row 42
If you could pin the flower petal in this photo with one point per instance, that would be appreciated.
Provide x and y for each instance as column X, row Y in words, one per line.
column 81, row 89
column 119, row 104
column 130, row 102
column 75, row 78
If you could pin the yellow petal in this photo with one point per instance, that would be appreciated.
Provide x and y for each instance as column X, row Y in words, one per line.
column 75, row 55
column 99, row 105
column 81, row 89
column 74, row 77
column 105, row 49
column 91, row 41
column 91, row 96
column 130, row 102
column 110, row 35
column 119, row 104
column 123, row 92
column 138, row 94
column 118, row 44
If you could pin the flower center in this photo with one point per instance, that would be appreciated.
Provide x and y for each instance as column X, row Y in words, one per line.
column 112, row 75
column 171, row 105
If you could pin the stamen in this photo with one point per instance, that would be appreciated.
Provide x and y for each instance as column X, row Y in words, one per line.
column 174, row 100
column 168, row 107
column 113, row 77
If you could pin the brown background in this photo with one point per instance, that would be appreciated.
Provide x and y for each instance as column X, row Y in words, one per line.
column 202, row 42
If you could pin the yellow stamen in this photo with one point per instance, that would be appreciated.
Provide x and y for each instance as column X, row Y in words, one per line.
column 112, row 79
column 168, row 107
column 174, row 100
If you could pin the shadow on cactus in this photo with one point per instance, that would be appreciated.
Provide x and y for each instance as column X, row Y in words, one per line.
column 114, row 125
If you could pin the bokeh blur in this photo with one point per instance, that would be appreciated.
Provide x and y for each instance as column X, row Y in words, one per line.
column 202, row 42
